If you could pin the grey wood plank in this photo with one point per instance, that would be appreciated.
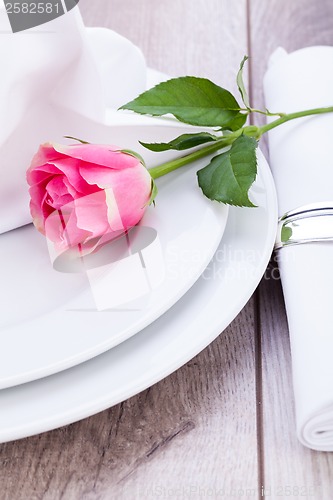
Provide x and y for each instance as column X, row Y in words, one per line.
column 287, row 463
column 179, row 37
column 193, row 435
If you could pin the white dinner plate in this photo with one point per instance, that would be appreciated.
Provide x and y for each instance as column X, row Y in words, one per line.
column 188, row 327
column 53, row 318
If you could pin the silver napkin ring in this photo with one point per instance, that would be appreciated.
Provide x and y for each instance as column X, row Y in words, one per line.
column 306, row 224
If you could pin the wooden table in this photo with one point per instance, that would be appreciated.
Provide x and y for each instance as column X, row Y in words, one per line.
column 223, row 425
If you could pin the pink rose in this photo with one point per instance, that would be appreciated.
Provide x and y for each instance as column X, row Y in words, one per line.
column 85, row 195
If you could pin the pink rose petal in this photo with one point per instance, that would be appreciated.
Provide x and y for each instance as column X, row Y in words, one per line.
column 99, row 154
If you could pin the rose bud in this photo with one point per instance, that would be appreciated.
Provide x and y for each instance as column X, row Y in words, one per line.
column 84, row 195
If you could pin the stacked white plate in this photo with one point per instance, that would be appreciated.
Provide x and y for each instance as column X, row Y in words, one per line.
column 67, row 353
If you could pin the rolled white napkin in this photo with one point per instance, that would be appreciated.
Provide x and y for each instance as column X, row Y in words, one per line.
column 302, row 165
column 55, row 78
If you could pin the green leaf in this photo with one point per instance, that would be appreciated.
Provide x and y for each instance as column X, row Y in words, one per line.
column 286, row 233
column 237, row 123
column 75, row 139
column 192, row 100
column 240, row 83
column 229, row 175
column 185, row 141
column 133, row 153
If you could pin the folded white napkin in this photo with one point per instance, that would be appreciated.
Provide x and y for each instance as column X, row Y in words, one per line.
column 302, row 164
column 55, row 79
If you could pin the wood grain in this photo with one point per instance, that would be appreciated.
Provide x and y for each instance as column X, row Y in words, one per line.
column 291, row 25
column 179, row 37
column 193, row 434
